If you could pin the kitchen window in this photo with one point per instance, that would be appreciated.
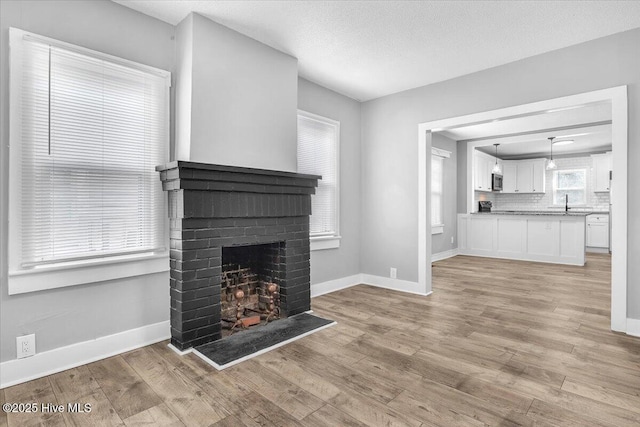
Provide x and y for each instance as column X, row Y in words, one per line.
column 571, row 182
column 318, row 154
column 87, row 130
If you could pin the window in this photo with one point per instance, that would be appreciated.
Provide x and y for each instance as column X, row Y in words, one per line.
column 572, row 183
column 318, row 148
column 437, row 189
column 87, row 131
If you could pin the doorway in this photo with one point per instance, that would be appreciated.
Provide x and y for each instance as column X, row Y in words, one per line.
column 617, row 97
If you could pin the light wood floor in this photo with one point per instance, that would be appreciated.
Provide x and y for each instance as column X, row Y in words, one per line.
column 498, row 343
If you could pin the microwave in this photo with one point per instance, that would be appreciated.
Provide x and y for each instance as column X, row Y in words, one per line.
column 496, row 182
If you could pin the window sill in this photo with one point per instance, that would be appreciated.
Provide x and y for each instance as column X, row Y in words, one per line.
column 437, row 229
column 325, row 242
column 80, row 273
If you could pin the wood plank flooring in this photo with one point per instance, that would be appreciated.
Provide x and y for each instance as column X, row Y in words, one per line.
column 497, row 343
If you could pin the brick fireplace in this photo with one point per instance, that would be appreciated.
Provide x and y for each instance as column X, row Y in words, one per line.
column 252, row 220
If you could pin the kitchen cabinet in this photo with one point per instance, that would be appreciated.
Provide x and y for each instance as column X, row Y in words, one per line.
column 524, row 176
column 601, row 168
column 482, row 169
column 598, row 231
column 541, row 237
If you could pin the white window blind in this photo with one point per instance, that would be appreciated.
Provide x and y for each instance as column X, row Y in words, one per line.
column 437, row 184
column 91, row 133
column 318, row 142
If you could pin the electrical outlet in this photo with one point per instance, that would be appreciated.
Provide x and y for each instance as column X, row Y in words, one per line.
column 452, row 240
column 393, row 272
column 26, row 345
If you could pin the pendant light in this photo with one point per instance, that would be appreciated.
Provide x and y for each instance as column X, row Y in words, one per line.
column 496, row 167
column 551, row 164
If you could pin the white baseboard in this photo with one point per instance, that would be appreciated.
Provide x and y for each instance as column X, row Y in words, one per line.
column 394, row 284
column 368, row 279
column 444, row 255
column 633, row 327
column 60, row 359
column 329, row 286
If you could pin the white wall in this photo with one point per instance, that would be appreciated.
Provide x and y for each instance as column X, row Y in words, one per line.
column 79, row 313
column 390, row 166
column 330, row 264
column 243, row 99
column 442, row 242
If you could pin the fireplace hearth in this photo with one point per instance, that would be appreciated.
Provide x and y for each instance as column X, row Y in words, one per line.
column 235, row 229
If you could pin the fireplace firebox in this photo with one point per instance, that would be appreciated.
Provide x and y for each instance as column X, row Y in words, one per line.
column 235, row 229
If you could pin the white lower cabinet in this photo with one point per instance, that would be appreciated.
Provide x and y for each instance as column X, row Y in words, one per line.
column 545, row 238
column 598, row 231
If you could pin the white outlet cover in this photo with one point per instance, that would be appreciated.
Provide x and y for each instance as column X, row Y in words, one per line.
column 26, row 346
column 393, row 273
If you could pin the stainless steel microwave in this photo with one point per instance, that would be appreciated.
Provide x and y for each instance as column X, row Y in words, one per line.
column 496, row 182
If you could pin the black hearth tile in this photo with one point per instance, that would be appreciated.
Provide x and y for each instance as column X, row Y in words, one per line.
column 237, row 346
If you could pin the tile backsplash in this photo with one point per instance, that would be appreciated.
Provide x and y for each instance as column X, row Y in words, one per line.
column 537, row 202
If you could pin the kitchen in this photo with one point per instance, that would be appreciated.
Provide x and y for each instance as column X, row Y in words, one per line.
column 540, row 186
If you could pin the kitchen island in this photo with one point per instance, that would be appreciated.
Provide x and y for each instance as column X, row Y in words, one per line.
column 544, row 236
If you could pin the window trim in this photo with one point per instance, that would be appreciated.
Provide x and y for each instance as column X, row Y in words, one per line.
column 442, row 154
column 586, row 185
column 322, row 241
column 67, row 273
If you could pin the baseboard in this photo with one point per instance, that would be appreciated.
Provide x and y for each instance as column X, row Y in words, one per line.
column 335, row 285
column 597, row 250
column 633, row 327
column 444, row 255
column 60, row 359
column 394, row 284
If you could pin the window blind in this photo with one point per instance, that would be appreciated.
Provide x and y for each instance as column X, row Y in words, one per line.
column 318, row 154
column 437, row 183
column 92, row 132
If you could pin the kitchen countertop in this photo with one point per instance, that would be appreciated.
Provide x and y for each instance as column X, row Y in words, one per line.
column 540, row 213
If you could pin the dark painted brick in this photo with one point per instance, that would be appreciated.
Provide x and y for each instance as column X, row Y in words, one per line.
column 195, row 244
column 182, row 275
column 208, row 253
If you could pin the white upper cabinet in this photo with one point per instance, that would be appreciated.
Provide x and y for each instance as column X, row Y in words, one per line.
column 524, row 176
column 509, row 177
column 601, row 169
column 482, row 168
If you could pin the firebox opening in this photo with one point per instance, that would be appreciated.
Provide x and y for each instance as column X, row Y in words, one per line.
column 250, row 285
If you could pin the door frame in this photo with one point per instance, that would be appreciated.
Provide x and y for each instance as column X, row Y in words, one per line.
column 617, row 96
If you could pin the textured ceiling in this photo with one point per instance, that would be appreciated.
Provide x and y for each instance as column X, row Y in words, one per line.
column 368, row 49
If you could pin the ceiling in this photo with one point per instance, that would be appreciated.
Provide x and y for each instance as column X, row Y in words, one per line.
column 589, row 126
column 369, row 49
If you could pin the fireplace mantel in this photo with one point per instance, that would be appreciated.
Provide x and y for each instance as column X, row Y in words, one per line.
column 216, row 206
